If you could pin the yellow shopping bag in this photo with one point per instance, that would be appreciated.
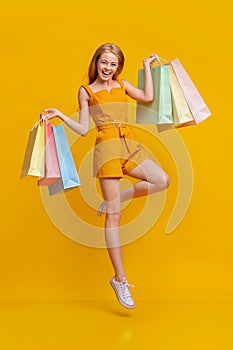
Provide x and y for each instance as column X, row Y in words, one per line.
column 33, row 163
column 180, row 109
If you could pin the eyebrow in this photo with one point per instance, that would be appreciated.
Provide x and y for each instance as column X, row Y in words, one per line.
column 104, row 59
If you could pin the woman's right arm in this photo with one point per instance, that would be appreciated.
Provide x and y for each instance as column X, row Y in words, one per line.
column 82, row 126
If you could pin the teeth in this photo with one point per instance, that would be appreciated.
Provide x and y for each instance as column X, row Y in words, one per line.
column 105, row 73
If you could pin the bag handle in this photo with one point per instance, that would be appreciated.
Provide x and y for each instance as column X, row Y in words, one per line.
column 41, row 120
column 159, row 61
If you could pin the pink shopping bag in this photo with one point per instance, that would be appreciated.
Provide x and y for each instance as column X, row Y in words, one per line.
column 194, row 100
column 52, row 169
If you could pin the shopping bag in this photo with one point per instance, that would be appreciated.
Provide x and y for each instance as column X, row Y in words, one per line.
column 33, row 163
column 194, row 100
column 52, row 170
column 69, row 175
column 159, row 111
column 180, row 110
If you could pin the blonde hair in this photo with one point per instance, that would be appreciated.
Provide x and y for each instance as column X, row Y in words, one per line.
column 92, row 71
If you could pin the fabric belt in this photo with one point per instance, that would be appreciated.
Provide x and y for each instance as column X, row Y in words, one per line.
column 116, row 124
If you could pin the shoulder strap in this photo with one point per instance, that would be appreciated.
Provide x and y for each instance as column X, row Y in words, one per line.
column 88, row 89
column 121, row 83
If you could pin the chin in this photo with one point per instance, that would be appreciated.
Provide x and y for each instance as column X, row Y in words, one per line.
column 106, row 78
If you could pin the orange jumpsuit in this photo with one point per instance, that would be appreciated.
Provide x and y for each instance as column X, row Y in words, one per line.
column 117, row 150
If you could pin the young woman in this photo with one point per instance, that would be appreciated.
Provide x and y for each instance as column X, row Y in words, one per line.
column 117, row 151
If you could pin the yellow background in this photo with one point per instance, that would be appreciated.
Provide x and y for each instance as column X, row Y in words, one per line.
column 46, row 47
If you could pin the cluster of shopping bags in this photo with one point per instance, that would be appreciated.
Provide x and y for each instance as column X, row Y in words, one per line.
column 177, row 101
column 48, row 157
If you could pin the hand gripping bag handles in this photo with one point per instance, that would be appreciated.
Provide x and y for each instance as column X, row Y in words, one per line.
column 48, row 157
column 159, row 111
column 188, row 107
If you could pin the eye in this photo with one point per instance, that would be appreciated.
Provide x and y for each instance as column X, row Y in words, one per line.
column 114, row 64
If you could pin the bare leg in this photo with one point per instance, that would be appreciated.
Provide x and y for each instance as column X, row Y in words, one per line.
column 153, row 179
column 111, row 194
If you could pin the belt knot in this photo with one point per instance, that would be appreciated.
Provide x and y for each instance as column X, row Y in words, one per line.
column 115, row 124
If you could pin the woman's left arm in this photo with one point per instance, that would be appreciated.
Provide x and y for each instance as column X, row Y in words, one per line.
column 147, row 94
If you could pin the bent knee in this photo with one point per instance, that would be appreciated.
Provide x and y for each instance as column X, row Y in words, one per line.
column 166, row 181
column 163, row 182
column 113, row 217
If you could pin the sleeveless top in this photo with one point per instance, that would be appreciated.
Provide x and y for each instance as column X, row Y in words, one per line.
column 117, row 150
column 108, row 106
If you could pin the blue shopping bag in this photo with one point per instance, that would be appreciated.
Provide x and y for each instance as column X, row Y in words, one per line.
column 69, row 175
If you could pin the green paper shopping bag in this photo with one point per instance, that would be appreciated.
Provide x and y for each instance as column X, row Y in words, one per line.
column 159, row 111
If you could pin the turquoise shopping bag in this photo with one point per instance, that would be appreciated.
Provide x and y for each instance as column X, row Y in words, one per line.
column 159, row 111
column 69, row 175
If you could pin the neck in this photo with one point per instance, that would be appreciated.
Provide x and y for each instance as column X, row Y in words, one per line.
column 99, row 81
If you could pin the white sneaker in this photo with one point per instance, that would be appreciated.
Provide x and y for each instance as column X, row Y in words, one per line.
column 123, row 293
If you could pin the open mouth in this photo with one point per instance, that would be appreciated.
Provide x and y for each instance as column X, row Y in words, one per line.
column 106, row 73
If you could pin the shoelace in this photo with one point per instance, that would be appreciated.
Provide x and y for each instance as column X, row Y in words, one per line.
column 125, row 289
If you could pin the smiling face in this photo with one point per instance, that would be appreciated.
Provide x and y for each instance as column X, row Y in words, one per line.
column 107, row 66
